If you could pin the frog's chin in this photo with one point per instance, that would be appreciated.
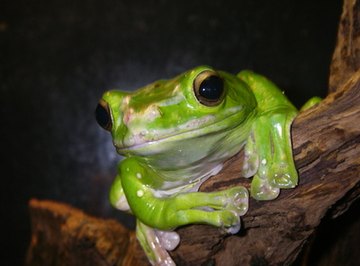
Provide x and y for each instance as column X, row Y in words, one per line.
column 218, row 127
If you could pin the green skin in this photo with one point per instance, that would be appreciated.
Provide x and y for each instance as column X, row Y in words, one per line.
column 172, row 143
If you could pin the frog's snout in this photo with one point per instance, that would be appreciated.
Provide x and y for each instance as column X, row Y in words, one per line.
column 102, row 115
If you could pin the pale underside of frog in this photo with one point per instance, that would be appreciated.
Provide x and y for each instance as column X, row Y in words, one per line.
column 175, row 134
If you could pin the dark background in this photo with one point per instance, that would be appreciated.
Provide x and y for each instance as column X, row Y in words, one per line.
column 58, row 57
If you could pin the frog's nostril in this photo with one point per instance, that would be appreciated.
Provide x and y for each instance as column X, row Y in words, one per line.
column 102, row 115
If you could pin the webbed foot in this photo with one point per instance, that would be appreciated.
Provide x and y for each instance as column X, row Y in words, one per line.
column 220, row 208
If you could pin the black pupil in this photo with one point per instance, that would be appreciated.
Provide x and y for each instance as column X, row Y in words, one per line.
column 211, row 88
column 102, row 116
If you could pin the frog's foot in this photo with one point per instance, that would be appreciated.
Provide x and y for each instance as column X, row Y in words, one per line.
column 237, row 202
column 268, row 156
column 221, row 208
column 262, row 190
column 233, row 199
column 156, row 243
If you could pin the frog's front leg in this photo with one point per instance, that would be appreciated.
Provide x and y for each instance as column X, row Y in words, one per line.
column 268, row 156
column 221, row 209
column 268, row 151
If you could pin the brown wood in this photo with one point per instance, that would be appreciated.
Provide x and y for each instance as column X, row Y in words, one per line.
column 59, row 230
column 62, row 235
column 346, row 57
column 326, row 145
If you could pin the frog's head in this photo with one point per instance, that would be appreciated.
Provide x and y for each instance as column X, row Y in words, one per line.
column 197, row 103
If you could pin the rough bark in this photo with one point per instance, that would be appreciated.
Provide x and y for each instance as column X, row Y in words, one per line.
column 326, row 146
column 346, row 57
column 63, row 235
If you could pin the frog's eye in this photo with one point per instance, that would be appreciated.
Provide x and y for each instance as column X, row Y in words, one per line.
column 102, row 115
column 209, row 88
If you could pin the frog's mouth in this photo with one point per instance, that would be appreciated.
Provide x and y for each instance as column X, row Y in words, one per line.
column 193, row 129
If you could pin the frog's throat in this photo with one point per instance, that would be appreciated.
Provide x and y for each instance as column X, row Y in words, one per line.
column 192, row 133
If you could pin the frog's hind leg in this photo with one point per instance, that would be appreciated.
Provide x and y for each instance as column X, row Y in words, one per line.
column 220, row 208
column 156, row 244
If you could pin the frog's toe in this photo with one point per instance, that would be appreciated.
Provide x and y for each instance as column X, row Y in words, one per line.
column 231, row 222
column 233, row 229
column 283, row 176
column 238, row 200
column 262, row 190
column 251, row 159
column 284, row 180
column 250, row 166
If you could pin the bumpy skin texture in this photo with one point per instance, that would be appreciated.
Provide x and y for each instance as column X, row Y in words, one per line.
column 173, row 140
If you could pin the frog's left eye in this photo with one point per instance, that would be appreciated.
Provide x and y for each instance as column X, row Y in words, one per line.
column 209, row 88
column 102, row 115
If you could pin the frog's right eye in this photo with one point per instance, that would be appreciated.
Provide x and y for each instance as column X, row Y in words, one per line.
column 209, row 88
column 102, row 115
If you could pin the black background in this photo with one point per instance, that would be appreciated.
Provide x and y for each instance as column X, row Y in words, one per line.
column 58, row 57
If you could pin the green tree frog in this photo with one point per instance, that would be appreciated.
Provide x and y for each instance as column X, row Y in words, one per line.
column 174, row 134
